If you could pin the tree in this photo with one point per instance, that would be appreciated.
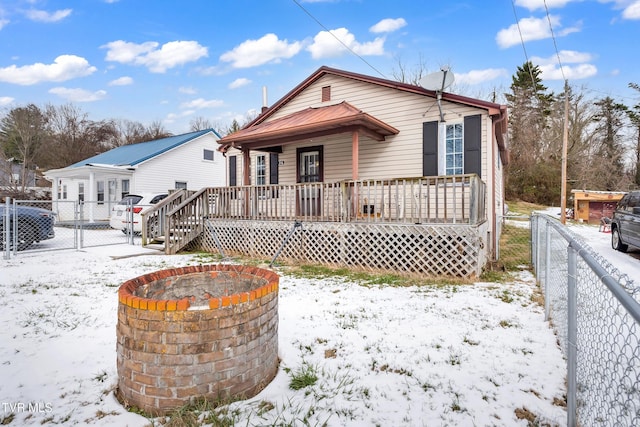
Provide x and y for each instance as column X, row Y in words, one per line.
column 634, row 117
column 533, row 174
column 22, row 132
column 608, row 164
column 72, row 136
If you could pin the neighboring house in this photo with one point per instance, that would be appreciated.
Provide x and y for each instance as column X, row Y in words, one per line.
column 188, row 161
column 11, row 175
column 376, row 173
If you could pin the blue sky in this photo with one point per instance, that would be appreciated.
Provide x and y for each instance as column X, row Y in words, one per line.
column 173, row 61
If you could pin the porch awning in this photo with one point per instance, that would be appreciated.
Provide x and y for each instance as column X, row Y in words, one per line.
column 312, row 122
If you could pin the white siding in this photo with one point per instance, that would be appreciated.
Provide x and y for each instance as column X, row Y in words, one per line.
column 399, row 155
column 184, row 163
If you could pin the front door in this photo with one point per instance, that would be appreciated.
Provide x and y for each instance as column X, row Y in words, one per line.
column 310, row 170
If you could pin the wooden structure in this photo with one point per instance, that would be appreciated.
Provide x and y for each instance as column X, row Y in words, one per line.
column 430, row 226
column 592, row 206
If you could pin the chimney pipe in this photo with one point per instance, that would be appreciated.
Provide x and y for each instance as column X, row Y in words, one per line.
column 264, row 99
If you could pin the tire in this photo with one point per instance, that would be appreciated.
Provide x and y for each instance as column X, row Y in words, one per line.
column 27, row 233
column 616, row 243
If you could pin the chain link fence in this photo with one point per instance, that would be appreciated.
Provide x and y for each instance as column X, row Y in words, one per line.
column 42, row 225
column 595, row 311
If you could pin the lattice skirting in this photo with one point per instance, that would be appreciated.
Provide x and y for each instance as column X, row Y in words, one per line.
column 421, row 249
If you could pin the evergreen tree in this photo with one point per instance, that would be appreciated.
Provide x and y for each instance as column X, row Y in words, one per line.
column 531, row 175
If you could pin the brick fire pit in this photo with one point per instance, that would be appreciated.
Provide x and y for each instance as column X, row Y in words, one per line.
column 200, row 331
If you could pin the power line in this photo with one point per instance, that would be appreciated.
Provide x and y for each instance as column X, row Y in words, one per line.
column 339, row 41
column 526, row 57
column 553, row 37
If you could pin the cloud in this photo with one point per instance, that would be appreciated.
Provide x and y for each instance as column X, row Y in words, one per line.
column 187, row 90
column 550, row 69
column 201, row 103
column 632, row 11
column 339, row 41
column 267, row 49
column 169, row 55
column 44, row 16
column 6, row 100
column 630, row 8
column 64, row 67
column 239, row 83
column 122, row 81
column 78, row 95
column 532, row 29
column 3, row 22
column 480, row 76
column 388, row 25
column 540, row 4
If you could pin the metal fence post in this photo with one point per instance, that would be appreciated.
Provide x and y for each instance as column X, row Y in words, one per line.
column 572, row 335
column 130, row 218
column 6, row 233
column 13, row 239
column 547, row 272
column 79, row 229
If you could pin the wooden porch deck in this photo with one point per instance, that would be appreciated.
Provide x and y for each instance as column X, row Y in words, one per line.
column 440, row 217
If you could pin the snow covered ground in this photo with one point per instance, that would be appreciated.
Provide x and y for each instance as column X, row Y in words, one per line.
column 467, row 355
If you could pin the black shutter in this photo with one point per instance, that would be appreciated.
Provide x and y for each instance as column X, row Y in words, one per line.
column 273, row 168
column 233, row 175
column 473, row 144
column 430, row 149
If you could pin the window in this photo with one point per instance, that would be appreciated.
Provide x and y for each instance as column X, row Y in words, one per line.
column 125, row 188
column 453, row 149
column 181, row 185
column 100, row 192
column 261, row 170
column 81, row 191
column 207, row 154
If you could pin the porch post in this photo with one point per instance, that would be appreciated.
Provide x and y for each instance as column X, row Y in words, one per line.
column 246, row 180
column 355, row 150
column 92, row 194
column 246, row 163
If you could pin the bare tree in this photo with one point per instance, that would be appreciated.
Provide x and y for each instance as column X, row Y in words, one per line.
column 200, row 123
column 156, row 130
column 22, row 132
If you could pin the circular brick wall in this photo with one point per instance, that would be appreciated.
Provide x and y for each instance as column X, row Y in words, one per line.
column 200, row 331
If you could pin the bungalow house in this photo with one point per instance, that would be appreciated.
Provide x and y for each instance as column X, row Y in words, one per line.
column 349, row 169
column 188, row 161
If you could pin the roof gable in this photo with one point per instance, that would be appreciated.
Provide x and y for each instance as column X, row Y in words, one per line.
column 133, row 154
column 492, row 108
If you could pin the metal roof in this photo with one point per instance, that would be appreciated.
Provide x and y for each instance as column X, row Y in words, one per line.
column 316, row 121
column 133, row 154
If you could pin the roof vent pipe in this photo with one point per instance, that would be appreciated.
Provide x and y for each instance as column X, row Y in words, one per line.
column 264, row 99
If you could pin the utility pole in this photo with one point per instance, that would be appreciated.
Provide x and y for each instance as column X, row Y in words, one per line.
column 565, row 143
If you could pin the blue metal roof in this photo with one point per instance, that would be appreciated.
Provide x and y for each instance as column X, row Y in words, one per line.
column 133, row 154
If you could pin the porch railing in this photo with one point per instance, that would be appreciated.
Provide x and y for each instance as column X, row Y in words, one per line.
column 458, row 199
column 154, row 218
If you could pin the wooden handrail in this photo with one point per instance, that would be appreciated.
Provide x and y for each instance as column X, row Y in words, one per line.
column 456, row 199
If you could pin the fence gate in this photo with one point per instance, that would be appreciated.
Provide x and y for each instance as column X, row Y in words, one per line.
column 28, row 226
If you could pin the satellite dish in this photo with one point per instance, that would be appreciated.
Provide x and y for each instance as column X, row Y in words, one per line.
column 438, row 82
